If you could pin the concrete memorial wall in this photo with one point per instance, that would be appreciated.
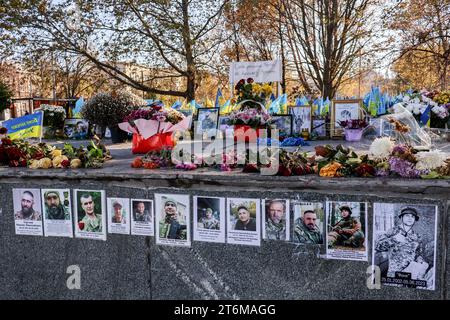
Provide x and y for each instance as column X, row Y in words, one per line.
column 134, row 267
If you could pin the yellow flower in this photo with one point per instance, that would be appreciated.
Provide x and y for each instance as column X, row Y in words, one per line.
column 256, row 88
column 56, row 153
column 45, row 163
column 57, row 161
column 75, row 163
column 331, row 170
column 34, row 164
column 266, row 89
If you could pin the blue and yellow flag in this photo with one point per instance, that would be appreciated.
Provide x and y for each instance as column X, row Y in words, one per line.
column 29, row 126
column 76, row 112
column 425, row 118
column 218, row 96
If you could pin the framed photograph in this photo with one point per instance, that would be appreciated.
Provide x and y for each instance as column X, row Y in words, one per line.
column 90, row 214
column 283, row 123
column 309, row 220
column 319, row 127
column 209, row 221
column 172, row 216
column 77, row 129
column 244, row 224
column 27, row 211
column 343, row 110
column 207, row 120
column 404, row 244
column 301, row 119
column 276, row 219
column 142, row 218
column 187, row 113
column 57, row 212
column 347, row 230
column 118, row 215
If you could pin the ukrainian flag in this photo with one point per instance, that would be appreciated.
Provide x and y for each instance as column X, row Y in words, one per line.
column 29, row 126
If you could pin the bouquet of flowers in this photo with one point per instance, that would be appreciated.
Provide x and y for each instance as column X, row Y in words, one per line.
column 251, row 94
column 250, row 117
column 353, row 124
column 54, row 116
column 20, row 153
column 152, row 127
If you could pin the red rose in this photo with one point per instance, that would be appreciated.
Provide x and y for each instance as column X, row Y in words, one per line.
column 157, row 107
column 6, row 142
column 282, row 170
column 250, row 80
column 81, row 225
column 65, row 163
column 23, row 163
column 13, row 163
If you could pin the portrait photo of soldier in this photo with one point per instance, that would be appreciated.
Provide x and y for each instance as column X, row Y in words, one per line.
column 345, row 228
column 404, row 244
column 27, row 204
column 308, row 223
column 244, row 215
column 276, row 219
column 89, row 211
column 172, row 224
column 119, row 213
column 56, row 205
column 208, row 213
column 142, row 211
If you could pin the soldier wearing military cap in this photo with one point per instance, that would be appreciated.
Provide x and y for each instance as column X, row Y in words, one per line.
column 402, row 244
column 347, row 231
column 170, row 228
column 118, row 216
column 208, row 221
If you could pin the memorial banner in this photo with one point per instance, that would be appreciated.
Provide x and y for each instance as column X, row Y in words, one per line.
column 259, row 71
column 29, row 126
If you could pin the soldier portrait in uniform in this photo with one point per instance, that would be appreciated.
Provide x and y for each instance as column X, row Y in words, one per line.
column 56, row 205
column 172, row 225
column 208, row 213
column 27, row 211
column 142, row 210
column 172, row 219
column 308, row 223
column 27, row 204
column 90, row 212
column 276, row 219
column 118, row 215
column 210, row 219
column 405, row 243
column 346, row 230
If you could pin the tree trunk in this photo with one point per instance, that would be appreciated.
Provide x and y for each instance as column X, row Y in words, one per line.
column 191, row 70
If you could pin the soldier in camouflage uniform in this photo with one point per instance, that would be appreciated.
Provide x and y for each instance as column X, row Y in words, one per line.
column 305, row 229
column 91, row 222
column 347, row 231
column 209, row 222
column 170, row 228
column 27, row 212
column 402, row 243
column 275, row 224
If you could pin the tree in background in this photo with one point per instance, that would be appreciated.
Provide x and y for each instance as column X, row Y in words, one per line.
column 328, row 38
column 179, row 36
column 5, row 96
column 424, row 34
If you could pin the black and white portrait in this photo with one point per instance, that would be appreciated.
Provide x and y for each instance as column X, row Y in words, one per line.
column 404, row 244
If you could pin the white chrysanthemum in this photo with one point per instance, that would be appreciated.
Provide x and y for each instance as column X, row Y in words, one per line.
column 406, row 98
column 381, row 147
column 430, row 160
